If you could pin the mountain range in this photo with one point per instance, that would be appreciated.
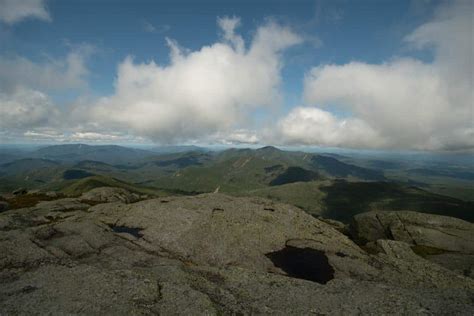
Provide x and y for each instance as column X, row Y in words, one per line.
column 325, row 185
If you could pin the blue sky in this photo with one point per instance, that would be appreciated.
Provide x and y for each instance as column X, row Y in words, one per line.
column 340, row 31
column 103, row 34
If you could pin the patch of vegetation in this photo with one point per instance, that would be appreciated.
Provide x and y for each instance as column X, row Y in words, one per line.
column 295, row 174
column 346, row 199
column 273, row 168
column 72, row 174
column 76, row 188
column 29, row 200
column 305, row 195
column 459, row 174
column 179, row 162
column 339, row 169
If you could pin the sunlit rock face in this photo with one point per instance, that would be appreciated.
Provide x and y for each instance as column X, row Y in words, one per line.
column 207, row 254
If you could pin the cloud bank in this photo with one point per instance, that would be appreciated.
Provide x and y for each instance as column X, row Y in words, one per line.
column 26, row 107
column 202, row 92
column 209, row 95
column 406, row 102
column 55, row 74
column 310, row 125
column 25, row 85
column 13, row 11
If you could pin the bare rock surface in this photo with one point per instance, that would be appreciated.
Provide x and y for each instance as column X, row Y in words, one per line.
column 61, row 205
column 209, row 254
column 110, row 194
column 446, row 241
column 419, row 229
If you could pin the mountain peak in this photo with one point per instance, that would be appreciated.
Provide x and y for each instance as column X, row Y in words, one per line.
column 269, row 149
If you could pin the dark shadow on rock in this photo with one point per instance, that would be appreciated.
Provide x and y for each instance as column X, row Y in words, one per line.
column 134, row 231
column 303, row 263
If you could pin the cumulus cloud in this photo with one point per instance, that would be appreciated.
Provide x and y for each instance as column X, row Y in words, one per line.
column 24, row 86
column 26, row 108
column 13, row 11
column 234, row 137
column 69, row 72
column 407, row 102
column 309, row 126
column 150, row 28
column 202, row 92
column 52, row 135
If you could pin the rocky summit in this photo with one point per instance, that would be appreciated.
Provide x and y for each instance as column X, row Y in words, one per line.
column 110, row 251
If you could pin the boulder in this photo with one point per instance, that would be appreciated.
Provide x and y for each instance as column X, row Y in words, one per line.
column 61, row 205
column 339, row 226
column 20, row 191
column 52, row 194
column 425, row 231
column 4, row 206
column 110, row 194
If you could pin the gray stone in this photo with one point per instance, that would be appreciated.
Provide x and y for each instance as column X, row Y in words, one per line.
column 460, row 263
column 52, row 194
column 110, row 194
column 208, row 255
column 339, row 226
column 61, row 205
column 418, row 229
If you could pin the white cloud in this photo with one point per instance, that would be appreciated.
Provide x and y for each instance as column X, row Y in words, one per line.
column 409, row 103
column 69, row 72
column 103, row 137
column 150, row 28
column 228, row 27
column 24, row 86
column 309, row 126
column 26, row 108
column 199, row 93
column 13, row 11
column 43, row 134
column 53, row 135
column 238, row 136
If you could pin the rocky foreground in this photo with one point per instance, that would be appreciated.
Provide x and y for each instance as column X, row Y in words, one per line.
column 108, row 253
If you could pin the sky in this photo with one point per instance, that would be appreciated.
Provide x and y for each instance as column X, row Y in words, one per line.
column 363, row 74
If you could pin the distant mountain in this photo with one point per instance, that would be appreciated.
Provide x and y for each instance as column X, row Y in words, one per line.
column 321, row 184
column 110, row 154
column 6, row 157
column 335, row 168
column 11, row 153
column 29, row 173
column 237, row 170
column 85, row 184
column 183, row 159
column 27, row 164
column 177, row 149
column 459, row 174
column 326, row 165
